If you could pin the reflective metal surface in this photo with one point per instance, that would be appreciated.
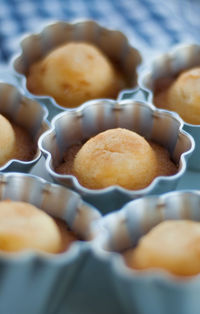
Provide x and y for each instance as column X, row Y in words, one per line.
column 26, row 113
column 113, row 44
column 41, row 283
column 99, row 115
column 163, row 292
column 180, row 58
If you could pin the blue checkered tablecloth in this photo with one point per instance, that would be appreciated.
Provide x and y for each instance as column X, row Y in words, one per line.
column 149, row 24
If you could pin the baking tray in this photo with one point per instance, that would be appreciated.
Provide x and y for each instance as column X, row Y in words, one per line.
column 190, row 180
column 90, row 302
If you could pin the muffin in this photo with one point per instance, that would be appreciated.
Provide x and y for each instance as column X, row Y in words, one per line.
column 171, row 245
column 15, row 142
column 73, row 73
column 182, row 95
column 117, row 157
column 24, row 226
column 7, row 140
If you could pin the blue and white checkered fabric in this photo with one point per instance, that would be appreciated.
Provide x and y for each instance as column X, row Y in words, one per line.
column 149, row 24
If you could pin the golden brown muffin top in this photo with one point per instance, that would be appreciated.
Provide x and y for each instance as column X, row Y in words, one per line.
column 74, row 73
column 182, row 95
column 7, row 140
column 24, row 226
column 120, row 149
column 15, row 142
column 115, row 157
column 171, row 245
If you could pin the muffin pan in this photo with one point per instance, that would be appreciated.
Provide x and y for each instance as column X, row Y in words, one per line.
column 26, row 113
column 163, row 292
column 89, row 278
column 41, row 282
column 96, row 116
column 112, row 43
column 168, row 65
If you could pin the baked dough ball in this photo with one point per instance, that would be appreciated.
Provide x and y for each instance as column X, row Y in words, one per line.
column 7, row 140
column 171, row 245
column 115, row 157
column 74, row 73
column 23, row 226
column 183, row 96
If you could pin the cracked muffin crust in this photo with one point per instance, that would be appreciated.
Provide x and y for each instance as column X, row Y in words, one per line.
column 117, row 157
column 74, row 73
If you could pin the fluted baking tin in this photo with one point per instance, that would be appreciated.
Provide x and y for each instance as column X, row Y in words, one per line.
column 180, row 58
column 113, row 43
column 38, row 283
column 93, row 117
column 148, row 291
column 26, row 113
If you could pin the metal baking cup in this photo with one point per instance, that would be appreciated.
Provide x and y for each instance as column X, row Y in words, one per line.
column 180, row 58
column 26, row 113
column 148, row 291
column 113, row 44
column 39, row 283
column 95, row 116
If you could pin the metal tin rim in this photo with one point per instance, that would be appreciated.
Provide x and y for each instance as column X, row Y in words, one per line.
column 148, row 71
column 120, row 267
column 49, row 23
column 45, row 122
column 156, row 181
column 29, row 255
